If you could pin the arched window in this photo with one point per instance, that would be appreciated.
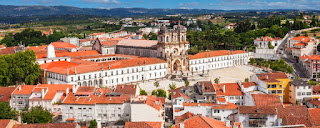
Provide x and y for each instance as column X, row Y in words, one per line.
column 167, row 39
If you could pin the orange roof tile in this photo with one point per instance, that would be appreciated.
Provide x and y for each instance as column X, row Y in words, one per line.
column 24, row 90
column 176, row 93
column 126, row 89
column 143, row 125
column 183, row 117
column 48, row 125
column 109, row 42
column 85, row 90
column 266, row 100
column 272, row 77
column 207, row 86
column 257, row 110
column 314, row 116
column 301, row 38
column 304, row 57
column 94, row 99
column 248, row 84
column 225, row 106
column 202, row 121
column 268, row 38
column 214, row 53
column 221, row 99
column 71, row 54
column 199, row 104
column 155, row 102
column 231, row 89
column 53, row 89
column 2, row 46
column 5, row 93
column 63, row 45
column 4, row 123
column 316, row 90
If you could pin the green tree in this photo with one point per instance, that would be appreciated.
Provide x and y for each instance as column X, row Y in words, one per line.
column 93, row 124
column 172, row 86
column 216, row 80
column 186, row 83
column 6, row 111
column 4, row 72
column 36, row 115
column 246, row 80
column 252, row 61
column 143, row 92
column 159, row 93
column 156, row 84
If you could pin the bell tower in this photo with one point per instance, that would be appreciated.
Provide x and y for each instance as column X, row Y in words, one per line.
column 172, row 46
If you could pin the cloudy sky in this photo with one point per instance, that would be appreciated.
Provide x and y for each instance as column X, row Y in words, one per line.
column 185, row 4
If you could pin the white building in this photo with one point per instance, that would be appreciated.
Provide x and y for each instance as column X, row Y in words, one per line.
column 20, row 97
column 71, row 40
column 253, row 116
column 311, row 65
column 301, row 45
column 299, row 91
column 266, row 47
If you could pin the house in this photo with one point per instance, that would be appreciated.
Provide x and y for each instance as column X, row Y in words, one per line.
column 293, row 115
column 228, row 92
column 261, row 100
column 71, row 40
column 301, row 45
column 206, row 89
column 273, row 83
column 266, row 47
column 143, row 125
column 5, row 93
column 313, row 103
column 254, row 116
column 131, row 90
column 299, row 91
column 20, row 97
column 230, row 26
column 310, row 65
column 65, row 46
column 202, row 121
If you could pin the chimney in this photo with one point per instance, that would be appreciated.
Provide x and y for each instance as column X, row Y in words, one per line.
column 224, row 88
column 257, row 109
column 266, row 76
column 42, row 93
column 227, row 123
column 99, row 124
column 67, row 91
column 19, row 88
column 74, row 89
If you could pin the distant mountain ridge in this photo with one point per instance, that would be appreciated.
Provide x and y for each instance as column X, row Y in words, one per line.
column 10, row 10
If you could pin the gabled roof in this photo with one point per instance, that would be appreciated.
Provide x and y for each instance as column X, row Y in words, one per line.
column 316, row 90
column 84, row 90
column 268, row 38
column 5, row 93
column 207, row 86
column 215, row 53
column 272, row 77
column 202, row 121
column 294, row 115
column 138, row 43
column 94, row 99
column 176, row 93
column 126, row 89
column 53, row 89
column 225, row 106
column 301, row 38
column 48, row 125
column 71, row 54
column 314, row 102
column 23, row 90
column 4, row 123
column 248, row 84
column 314, row 116
column 266, row 100
column 155, row 102
column 63, row 45
column 143, row 125
column 183, row 117
column 231, row 89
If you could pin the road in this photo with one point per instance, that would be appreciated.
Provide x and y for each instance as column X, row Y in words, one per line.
column 290, row 60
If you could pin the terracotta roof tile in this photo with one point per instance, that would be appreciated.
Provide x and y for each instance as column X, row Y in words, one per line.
column 155, row 102
column 202, row 121
column 225, row 106
column 268, row 38
column 71, row 54
column 183, row 117
column 248, row 84
column 5, row 93
column 314, row 116
column 49, row 125
column 126, row 89
column 272, row 77
column 53, row 89
column 63, row 45
column 84, row 90
column 24, row 90
column 316, row 90
column 176, row 93
column 314, row 102
column 231, row 89
column 4, row 123
column 143, row 125
column 207, row 86
column 214, row 53
column 266, row 100
column 301, row 38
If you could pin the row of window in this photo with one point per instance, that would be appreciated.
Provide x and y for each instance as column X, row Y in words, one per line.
column 214, row 59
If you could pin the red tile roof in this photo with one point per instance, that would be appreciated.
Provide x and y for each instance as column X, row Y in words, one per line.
column 207, row 86
column 214, row 53
column 257, row 110
column 316, row 90
column 155, row 102
column 63, row 45
column 202, row 121
column 231, row 89
column 143, row 125
column 225, row 106
column 53, row 89
column 268, row 38
column 314, row 102
column 48, row 125
column 109, row 42
column 183, row 117
column 25, row 90
column 266, row 100
column 5, row 93
column 126, row 89
column 272, row 77
column 2, row 46
column 94, row 99
column 314, row 116
column 248, row 84
column 84, row 90
column 4, row 123
column 301, row 38
column 294, row 115
column 221, row 100
column 176, row 93
column 71, row 54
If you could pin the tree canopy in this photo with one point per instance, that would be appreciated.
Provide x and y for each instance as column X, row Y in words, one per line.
column 6, row 111
column 19, row 68
column 159, row 93
column 36, row 115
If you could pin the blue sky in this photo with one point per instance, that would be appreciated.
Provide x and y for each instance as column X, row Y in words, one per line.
column 184, row 4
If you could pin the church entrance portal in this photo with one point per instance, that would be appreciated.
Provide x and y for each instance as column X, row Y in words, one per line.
column 177, row 66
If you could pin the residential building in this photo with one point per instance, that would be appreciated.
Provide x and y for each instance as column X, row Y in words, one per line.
column 261, row 100
column 253, row 116
column 228, row 92
column 301, row 45
column 311, row 65
column 299, row 91
column 266, row 47
column 71, row 40
column 273, row 83
column 20, row 97
column 230, row 26
column 202, row 121
column 143, row 125
column 5, row 93
column 313, row 103
column 206, row 89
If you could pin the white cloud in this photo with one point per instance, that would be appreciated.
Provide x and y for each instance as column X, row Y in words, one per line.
column 103, row 1
column 188, row 5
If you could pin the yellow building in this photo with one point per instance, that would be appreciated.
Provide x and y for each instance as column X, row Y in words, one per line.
column 273, row 83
